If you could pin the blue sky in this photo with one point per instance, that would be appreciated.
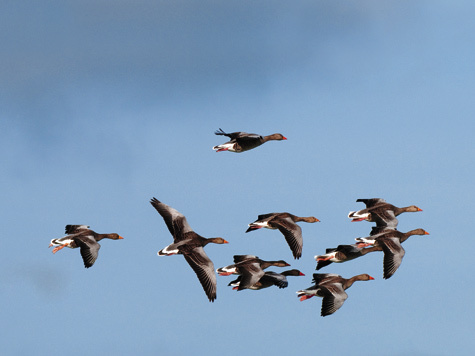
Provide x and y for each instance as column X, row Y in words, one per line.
column 107, row 104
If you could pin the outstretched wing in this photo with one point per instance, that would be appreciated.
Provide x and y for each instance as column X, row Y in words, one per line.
column 333, row 298
column 320, row 277
column 76, row 229
column 89, row 249
column 251, row 273
column 265, row 216
column 371, row 202
column 292, row 233
column 384, row 218
column 275, row 279
column 240, row 258
column 321, row 264
column 393, row 254
column 204, row 269
column 176, row 221
column 231, row 135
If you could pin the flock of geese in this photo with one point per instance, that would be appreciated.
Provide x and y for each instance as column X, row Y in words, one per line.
column 249, row 268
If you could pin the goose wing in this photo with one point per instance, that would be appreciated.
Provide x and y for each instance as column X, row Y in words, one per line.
column 231, row 135
column 265, row 216
column 371, row 202
column 393, row 254
column 384, row 218
column 204, row 269
column 333, row 298
column 89, row 249
column 240, row 258
column 292, row 233
column 321, row 264
column 175, row 221
column 273, row 278
column 251, row 273
column 318, row 278
column 76, row 229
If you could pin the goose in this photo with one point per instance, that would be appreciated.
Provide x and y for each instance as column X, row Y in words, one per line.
column 331, row 287
column 379, row 211
column 343, row 253
column 390, row 242
column 243, row 141
column 270, row 279
column 189, row 244
column 250, row 267
column 84, row 238
column 286, row 223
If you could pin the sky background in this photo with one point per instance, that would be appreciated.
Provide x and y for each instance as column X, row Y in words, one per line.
column 106, row 104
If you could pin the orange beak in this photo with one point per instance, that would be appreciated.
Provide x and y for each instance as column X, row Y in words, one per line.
column 225, row 242
column 426, row 233
column 120, row 237
column 419, row 209
column 284, row 138
column 371, row 278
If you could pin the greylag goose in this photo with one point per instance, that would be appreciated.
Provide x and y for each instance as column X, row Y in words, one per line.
column 286, row 223
column 270, row 279
column 331, row 287
column 379, row 211
column 251, row 268
column 84, row 238
column 390, row 242
column 243, row 141
column 189, row 244
column 343, row 253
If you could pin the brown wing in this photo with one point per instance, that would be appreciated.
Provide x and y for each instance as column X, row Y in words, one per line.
column 384, row 217
column 393, row 254
column 204, row 269
column 371, row 202
column 333, row 298
column 76, row 229
column 240, row 258
column 176, row 222
column 319, row 278
column 231, row 135
column 89, row 249
column 251, row 273
column 292, row 233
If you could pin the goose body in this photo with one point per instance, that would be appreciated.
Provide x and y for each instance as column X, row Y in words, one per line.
column 189, row 244
column 286, row 223
column 331, row 287
column 379, row 211
column 84, row 238
column 390, row 243
column 243, row 141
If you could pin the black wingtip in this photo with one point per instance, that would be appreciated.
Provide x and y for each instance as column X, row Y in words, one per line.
column 154, row 201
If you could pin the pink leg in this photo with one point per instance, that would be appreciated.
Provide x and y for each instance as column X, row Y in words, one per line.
column 56, row 249
column 225, row 273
